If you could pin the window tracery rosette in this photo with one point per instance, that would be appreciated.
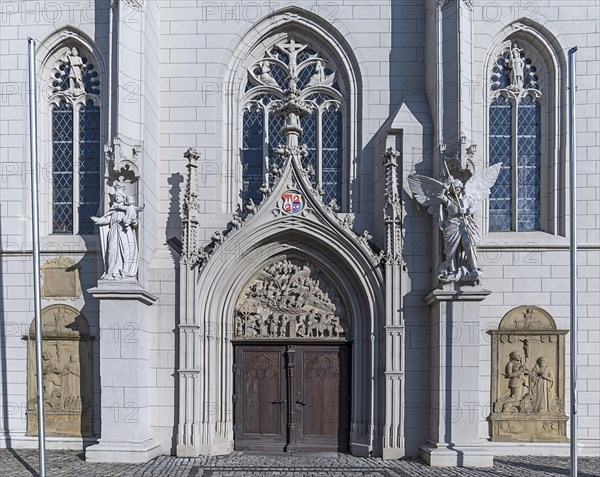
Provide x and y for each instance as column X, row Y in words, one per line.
column 292, row 70
column 515, row 139
column 73, row 92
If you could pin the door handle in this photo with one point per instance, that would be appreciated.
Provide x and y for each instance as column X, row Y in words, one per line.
column 278, row 402
column 300, row 402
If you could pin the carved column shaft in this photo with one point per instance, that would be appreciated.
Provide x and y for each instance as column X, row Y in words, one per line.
column 190, row 211
column 393, row 430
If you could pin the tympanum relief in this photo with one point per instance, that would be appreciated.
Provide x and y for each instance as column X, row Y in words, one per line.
column 528, row 378
column 290, row 299
column 66, row 373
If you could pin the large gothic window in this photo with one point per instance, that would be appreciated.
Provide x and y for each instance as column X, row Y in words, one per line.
column 75, row 122
column 515, row 141
column 322, row 130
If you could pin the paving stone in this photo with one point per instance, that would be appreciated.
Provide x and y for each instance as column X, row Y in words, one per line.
column 24, row 463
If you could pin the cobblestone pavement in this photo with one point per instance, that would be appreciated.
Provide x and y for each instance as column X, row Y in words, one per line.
column 24, row 463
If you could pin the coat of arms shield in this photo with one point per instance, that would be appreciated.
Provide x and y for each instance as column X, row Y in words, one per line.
column 292, row 202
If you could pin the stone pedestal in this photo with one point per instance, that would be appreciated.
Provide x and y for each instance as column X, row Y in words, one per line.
column 126, row 433
column 455, row 409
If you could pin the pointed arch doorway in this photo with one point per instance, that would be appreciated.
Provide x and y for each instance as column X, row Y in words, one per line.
column 292, row 361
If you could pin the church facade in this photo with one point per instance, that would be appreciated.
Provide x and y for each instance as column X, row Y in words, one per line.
column 300, row 226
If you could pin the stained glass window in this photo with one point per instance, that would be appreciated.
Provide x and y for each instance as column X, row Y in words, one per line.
column 62, row 169
column 501, row 152
column 322, row 132
column 89, row 166
column 76, row 148
column 515, row 197
column 252, row 154
column 332, row 156
column 528, row 165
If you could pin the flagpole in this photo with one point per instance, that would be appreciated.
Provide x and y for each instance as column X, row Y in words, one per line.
column 573, row 220
column 37, row 301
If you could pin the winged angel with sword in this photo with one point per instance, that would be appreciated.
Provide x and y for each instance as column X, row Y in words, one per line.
column 454, row 205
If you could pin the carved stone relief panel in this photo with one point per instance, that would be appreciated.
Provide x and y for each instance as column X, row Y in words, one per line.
column 60, row 279
column 528, row 378
column 291, row 298
column 67, row 374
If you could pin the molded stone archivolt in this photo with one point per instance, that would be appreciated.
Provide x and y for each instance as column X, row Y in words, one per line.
column 290, row 298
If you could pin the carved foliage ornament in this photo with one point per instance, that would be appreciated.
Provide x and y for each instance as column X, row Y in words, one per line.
column 290, row 299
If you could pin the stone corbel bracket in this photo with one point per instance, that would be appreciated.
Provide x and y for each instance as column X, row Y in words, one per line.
column 123, row 158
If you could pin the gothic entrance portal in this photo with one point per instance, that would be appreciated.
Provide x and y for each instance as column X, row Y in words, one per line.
column 292, row 366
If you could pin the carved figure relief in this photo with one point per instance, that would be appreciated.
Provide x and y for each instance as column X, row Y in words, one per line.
column 66, row 373
column 290, row 299
column 528, row 378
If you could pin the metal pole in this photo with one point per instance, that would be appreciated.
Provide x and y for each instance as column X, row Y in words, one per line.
column 37, row 301
column 573, row 215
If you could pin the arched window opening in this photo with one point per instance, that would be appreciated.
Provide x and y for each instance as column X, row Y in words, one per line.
column 76, row 142
column 515, row 141
column 315, row 77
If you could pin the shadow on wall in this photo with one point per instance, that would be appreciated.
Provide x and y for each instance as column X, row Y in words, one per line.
column 173, row 232
column 410, row 112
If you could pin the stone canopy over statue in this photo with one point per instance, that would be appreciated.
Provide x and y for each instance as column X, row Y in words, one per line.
column 454, row 205
column 118, row 237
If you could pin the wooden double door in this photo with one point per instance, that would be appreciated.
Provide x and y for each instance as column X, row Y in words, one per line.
column 292, row 397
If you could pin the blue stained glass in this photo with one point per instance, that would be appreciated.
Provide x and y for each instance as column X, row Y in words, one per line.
column 252, row 155
column 91, row 81
column 276, row 123
column 332, row 153
column 309, row 138
column 62, row 169
column 89, row 166
column 305, row 75
column 500, row 127
column 279, row 75
column 528, row 164
column 305, row 55
column 501, row 73
column 319, row 98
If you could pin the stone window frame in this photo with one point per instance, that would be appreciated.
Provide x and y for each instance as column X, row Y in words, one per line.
column 48, row 56
column 304, row 30
column 551, row 75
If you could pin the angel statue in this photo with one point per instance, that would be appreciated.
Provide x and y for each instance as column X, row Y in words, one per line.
column 454, row 205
